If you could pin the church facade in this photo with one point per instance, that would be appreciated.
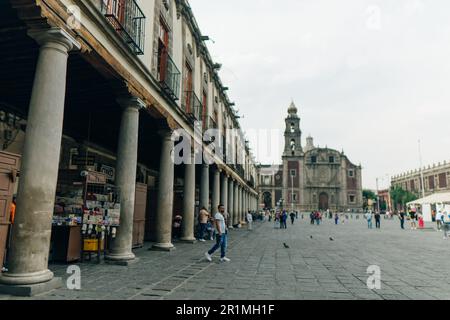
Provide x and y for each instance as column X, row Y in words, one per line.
column 309, row 178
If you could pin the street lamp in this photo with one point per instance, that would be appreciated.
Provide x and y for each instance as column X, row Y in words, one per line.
column 421, row 171
column 378, row 197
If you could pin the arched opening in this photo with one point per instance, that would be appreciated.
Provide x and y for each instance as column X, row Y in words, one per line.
column 323, row 201
column 267, row 199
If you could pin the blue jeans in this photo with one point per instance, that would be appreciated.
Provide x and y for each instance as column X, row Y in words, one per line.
column 369, row 222
column 201, row 234
column 221, row 242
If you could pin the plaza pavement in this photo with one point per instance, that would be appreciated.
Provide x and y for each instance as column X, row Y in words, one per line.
column 414, row 265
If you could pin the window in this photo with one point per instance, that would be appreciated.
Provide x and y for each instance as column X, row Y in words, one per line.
column 293, row 173
column 431, row 182
column 293, row 144
column 292, row 127
column 443, row 180
column 205, row 109
column 188, row 87
column 294, row 197
column 352, row 198
column 313, row 159
column 351, row 173
column 163, row 50
column 331, row 159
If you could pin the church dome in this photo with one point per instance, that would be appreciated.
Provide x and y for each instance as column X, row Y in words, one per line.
column 292, row 109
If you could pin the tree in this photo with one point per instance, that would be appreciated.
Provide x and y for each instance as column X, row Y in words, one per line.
column 368, row 195
column 401, row 197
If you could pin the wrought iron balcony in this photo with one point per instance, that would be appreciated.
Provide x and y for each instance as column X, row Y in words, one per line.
column 192, row 105
column 128, row 20
column 169, row 75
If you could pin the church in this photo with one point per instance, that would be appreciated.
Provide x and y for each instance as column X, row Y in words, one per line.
column 309, row 178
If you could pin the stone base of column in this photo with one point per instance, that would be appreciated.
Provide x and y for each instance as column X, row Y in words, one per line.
column 162, row 247
column 188, row 240
column 120, row 259
column 124, row 263
column 31, row 289
column 11, row 279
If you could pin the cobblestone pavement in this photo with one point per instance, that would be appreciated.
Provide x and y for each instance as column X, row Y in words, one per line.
column 414, row 265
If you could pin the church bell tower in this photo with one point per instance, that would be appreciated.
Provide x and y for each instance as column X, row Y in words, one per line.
column 292, row 134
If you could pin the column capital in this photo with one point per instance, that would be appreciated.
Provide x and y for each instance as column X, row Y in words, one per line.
column 165, row 134
column 131, row 102
column 55, row 35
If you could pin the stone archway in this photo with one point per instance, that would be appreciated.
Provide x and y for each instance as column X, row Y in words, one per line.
column 324, row 201
column 267, row 200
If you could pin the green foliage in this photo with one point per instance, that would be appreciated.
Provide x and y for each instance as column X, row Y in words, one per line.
column 369, row 194
column 402, row 197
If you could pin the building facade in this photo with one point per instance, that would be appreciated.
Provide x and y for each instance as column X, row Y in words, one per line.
column 436, row 178
column 99, row 88
column 309, row 178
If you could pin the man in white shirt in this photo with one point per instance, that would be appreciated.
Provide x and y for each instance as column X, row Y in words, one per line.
column 221, row 236
column 439, row 220
column 249, row 220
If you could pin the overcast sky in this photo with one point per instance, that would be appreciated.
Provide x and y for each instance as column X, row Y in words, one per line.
column 369, row 77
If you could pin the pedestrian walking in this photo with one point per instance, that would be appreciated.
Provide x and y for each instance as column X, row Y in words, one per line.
column 203, row 218
column 336, row 218
column 293, row 215
column 413, row 217
column 284, row 219
column 249, row 221
column 318, row 217
column 421, row 221
column 446, row 224
column 221, row 236
column 439, row 220
column 312, row 216
column 378, row 220
column 369, row 219
column 402, row 219
column 176, row 227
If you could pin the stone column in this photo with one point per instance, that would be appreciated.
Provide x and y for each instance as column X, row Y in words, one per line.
column 224, row 195
column 231, row 202
column 187, row 226
column 236, row 204
column 28, row 260
column 204, row 187
column 215, row 191
column 244, row 203
column 239, row 204
column 164, row 209
column 127, row 151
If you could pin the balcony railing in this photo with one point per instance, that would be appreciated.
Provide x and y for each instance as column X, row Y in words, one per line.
column 192, row 105
column 169, row 76
column 128, row 20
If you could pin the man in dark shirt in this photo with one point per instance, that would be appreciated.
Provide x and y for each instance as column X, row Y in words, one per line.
column 378, row 220
column 402, row 219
